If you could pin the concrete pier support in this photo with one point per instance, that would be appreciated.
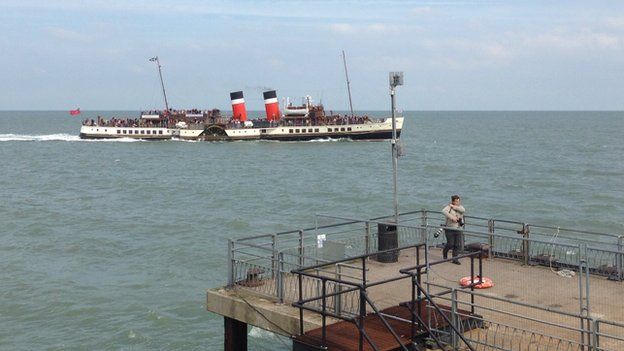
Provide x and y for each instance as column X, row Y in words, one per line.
column 235, row 333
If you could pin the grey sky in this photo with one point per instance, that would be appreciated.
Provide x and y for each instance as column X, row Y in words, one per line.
column 456, row 55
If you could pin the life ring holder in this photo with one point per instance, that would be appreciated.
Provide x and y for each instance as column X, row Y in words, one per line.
column 486, row 282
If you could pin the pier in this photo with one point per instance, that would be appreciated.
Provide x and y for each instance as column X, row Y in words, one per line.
column 351, row 284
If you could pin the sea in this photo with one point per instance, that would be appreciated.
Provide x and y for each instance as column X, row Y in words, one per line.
column 111, row 245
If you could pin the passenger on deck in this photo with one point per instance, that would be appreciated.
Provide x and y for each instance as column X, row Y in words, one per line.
column 454, row 213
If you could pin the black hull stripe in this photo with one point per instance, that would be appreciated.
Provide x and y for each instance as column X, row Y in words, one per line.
column 284, row 137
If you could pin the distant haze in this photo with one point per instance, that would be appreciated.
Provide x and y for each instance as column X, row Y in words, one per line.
column 456, row 55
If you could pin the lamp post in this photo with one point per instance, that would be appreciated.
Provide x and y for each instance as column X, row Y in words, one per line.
column 396, row 79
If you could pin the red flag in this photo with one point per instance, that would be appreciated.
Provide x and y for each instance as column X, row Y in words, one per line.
column 75, row 112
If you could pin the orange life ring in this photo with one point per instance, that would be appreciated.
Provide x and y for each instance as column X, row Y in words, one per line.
column 485, row 282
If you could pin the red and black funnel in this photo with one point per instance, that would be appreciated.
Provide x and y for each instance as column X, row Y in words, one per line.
column 271, row 105
column 239, row 112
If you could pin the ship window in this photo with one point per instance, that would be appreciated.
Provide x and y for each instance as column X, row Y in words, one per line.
column 290, row 131
column 136, row 131
column 316, row 130
column 329, row 129
column 348, row 129
column 342, row 129
column 118, row 131
column 262, row 130
column 148, row 132
column 309, row 130
column 124, row 131
column 106, row 130
column 296, row 130
column 97, row 130
column 160, row 132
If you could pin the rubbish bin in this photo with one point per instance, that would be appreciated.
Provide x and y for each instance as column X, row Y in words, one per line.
column 387, row 238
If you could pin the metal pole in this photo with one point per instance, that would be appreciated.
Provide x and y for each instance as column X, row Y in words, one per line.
column 280, row 277
column 395, row 159
column 162, row 84
column 619, row 261
column 454, row 319
column 367, row 238
column 230, row 263
column 344, row 60
column 301, row 260
column 338, row 289
column 273, row 255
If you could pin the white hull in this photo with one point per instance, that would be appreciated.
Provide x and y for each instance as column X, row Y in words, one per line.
column 359, row 131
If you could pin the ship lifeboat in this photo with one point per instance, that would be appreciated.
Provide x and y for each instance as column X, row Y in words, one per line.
column 485, row 282
column 296, row 110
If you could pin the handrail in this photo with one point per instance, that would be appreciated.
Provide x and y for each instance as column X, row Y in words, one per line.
column 297, row 271
column 383, row 320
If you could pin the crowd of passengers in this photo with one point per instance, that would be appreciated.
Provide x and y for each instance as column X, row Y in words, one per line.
column 174, row 112
column 125, row 122
column 299, row 122
column 230, row 123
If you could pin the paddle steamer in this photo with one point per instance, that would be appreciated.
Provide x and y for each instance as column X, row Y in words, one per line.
column 307, row 121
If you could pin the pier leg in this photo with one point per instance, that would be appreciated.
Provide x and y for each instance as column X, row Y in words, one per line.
column 235, row 335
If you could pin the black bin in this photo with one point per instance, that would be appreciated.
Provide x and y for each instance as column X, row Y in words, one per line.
column 387, row 238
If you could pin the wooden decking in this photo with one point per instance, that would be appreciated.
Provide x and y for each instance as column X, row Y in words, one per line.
column 344, row 336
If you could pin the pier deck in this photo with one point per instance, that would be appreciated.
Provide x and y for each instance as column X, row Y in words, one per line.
column 522, row 284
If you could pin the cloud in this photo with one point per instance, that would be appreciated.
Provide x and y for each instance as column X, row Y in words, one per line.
column 568, row 41
column 66, row 34
column 368, row 29
column 420, row 11
column 343, row 28
column 614, row 22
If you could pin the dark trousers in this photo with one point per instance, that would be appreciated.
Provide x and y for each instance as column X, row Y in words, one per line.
column 453, row 241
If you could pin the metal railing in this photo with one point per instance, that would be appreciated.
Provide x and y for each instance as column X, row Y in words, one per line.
column 264, row 264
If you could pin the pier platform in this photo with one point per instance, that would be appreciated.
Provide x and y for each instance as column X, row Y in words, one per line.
column 534, row 303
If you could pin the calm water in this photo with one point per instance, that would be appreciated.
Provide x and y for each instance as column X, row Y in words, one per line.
column 111, row 245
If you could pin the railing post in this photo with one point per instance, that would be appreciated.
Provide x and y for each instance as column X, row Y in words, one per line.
column 230, row 254
column 619, row 258
column 423, row 217
column 367, row 238
column 338, row 289
column 454, row 319
column 587, row 294
column 273, row 255
column 362, row 315
column 581, row 259
column 596, row 333
column 324, row 315
column 525, row 244
column 490, row 237
column 280, row 277
column 300, row 301
column 301, row 250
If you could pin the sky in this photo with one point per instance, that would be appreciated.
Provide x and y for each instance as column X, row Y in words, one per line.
column 455, row 55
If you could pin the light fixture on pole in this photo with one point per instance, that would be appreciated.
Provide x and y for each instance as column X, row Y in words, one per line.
column 396, row 79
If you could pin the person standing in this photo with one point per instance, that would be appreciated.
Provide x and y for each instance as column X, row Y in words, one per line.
column 454, row 213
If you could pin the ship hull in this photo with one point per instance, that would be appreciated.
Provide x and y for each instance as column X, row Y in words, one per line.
column 142, row 133
column 381, row 130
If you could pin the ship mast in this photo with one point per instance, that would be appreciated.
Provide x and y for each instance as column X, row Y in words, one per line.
column 344, row 60
column 155, row 59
